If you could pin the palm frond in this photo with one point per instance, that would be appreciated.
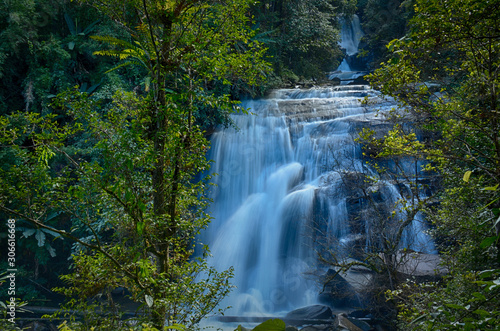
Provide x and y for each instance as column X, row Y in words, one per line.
column 133, row 52
column 114, row 41
column 114, row 53
column 125, row 64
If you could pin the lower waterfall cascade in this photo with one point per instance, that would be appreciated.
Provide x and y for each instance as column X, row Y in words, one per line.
column 280, row 186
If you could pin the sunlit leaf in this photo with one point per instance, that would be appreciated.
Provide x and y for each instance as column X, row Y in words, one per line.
column 467, row 176
column 149, row 300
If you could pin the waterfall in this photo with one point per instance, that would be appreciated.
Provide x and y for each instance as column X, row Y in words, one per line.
column 281, row 185
column 350, row 37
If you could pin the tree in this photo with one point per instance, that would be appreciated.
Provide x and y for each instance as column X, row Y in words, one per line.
column 383, row 21
column 444, row 74
column 302, row 36
column 385, row 238
column 128, row 173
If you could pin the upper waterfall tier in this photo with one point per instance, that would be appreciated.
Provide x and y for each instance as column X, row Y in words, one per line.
column 350, row 35
column 321, row 103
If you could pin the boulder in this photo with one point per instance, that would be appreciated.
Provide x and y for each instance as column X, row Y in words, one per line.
column 361, row 313
column 335, row 81
column 422, row 266
column 315, row 312
column 344, row 323
column 309, row 328
column 361, row 80
column 357, row 63
column 338, row 291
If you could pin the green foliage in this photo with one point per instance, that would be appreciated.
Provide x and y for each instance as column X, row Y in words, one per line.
column 6, row 323
column 113, row 191
column 302, row 36
column 467, row 302
column 383, row 21
column 127, row 173
column 76, row 326
column 269, row 325
column 444, row 76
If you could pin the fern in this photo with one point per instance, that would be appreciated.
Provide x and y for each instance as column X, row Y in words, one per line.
column 132, row 52
column 114, row 53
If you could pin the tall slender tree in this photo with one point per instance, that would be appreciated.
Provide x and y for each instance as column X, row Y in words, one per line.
column 132, row 182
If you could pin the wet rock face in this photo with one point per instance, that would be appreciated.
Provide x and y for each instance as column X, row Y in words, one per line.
column 313, row 318
column 337, row 291
column 357, row 63
column 342, row 322
column 315, row 312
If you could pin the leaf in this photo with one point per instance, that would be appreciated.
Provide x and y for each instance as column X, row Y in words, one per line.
column 71, row 24
column 89, row 28
column 467, row 176
column 479, row 296
column 421, row 317
column 50, row 249
column 491, row 188
column 454, row 306
column 488, row 242
column 29, row 232
column 83, row 87
column 271, row 325
column 141, row 206
column 52, row 216
column 176, row 327
column 52, row 233
column 140, row 228
column 93, row 88
column 488, row 273
column 482, row 312
column 71, row 45
column 112, row 41
column 149, row 300
column 120, row 66
column 40, row 236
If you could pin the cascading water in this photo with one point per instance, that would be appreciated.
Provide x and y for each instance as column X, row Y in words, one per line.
column 279, row 185
column 281, row 189
column 350, row 37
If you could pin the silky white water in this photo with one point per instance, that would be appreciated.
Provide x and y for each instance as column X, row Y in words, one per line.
column 279, row 185
column 285, row 189
column 350, row 37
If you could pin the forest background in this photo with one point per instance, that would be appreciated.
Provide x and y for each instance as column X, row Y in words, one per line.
column 106, row 107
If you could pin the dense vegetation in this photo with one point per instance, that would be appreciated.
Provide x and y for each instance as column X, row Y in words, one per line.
column 105, row 106
column 444, row 73
column 382, row 22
